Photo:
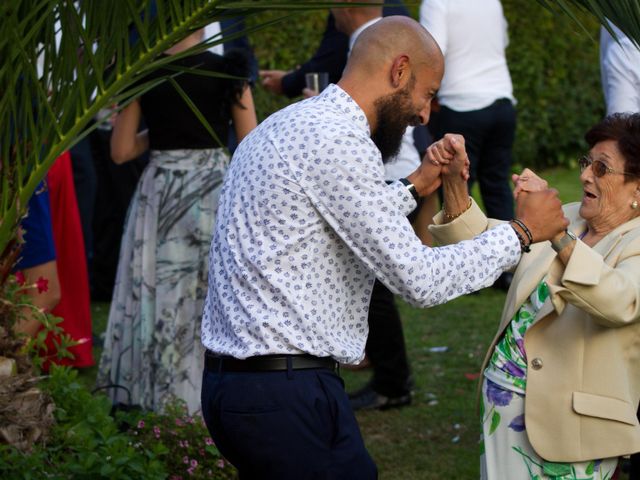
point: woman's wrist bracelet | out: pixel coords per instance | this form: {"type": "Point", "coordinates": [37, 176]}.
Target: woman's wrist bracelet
{"type": "Point", "coordinates": [452, 216]}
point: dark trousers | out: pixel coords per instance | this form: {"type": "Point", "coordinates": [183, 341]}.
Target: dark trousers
{"type": "Point", "coordinates": [385, 345]}
{"type": "Point", "coordinates": [294, 424]}
{"type": "Point", "coordinates": [85, 183]}
{"type": "Point", "coordinates": [115, 187]}
{"type": "Point", "coordinates": [489, 134]}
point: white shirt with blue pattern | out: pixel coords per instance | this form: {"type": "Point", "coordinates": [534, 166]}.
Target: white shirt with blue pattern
{"type": "Point", "coordinates": [305, 224]}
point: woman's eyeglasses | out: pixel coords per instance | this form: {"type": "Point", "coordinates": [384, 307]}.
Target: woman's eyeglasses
{"type": "Point", "coordinates": [599, 168]}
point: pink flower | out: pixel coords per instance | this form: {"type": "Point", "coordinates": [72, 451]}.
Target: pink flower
{"type": "Point", "coordinates": [42, 284]}
{"type": "Point", "coordinates": [208, 441]}
{"type": "Point", "coordinates": [179, 422]}
{"type": "Point", "coordinates": [194, 462]}
{"type": "Point", "coordinates": [220, 463]}
{"type": "Point", "coordinates": [20, 278]}
{"type": "Point", "coordinates": [156, 431]}
{"type": "Point", "coordinates": [190, 470]}
{"type": "Point", "coordinates": [141, 424]}
{"type": "Point", "coordinates": [185, 459]}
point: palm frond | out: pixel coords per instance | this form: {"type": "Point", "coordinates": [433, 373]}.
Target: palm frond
{"type": "Point", "coordinates": [64, 61]}
{"type": "Point", "coordinates": [625, 14]}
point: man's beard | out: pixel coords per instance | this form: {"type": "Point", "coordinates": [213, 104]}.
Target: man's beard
{"type": "Point", "coordinates": [394, 113]}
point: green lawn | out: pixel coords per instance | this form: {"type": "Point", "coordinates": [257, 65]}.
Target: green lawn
{"type": "Point", "coordinates": [437, 436]}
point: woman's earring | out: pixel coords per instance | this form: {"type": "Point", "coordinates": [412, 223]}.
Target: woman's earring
{"type": "Point", "coordinates": [634, 204]}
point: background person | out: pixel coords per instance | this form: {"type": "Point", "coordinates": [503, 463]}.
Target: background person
{"type": "Point", "coordinates": [305, 225]}
{"type": "Point", "coordinates": [152, 344]}
{"type": "Point", "coordinates": [620, 71]}
{"type": "Point", "coordinates": [567, 344]}
{"type": "Point", "coordinates": [476, 97]}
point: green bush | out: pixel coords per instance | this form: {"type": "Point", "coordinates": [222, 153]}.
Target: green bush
{"type": "Point", "coordinates": [87, 443]}
{"type": "Point", "coordinates": [553, 63]}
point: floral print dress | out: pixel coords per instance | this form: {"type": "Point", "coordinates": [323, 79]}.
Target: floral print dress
{"type": "Point", "coordinates": [507, 453]}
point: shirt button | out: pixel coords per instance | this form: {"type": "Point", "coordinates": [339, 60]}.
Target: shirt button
{"type": "Point", "coordinates": [536, 363]}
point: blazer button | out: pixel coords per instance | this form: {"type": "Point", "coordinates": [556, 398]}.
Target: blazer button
{"type": "Point", "coordinates": [536, 363]}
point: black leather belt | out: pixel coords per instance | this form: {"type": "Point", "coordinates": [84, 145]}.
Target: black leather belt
{"type": "Point", "coordinates": [267, 363]}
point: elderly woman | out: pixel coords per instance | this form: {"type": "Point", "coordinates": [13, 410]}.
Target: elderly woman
{"type": "Point", "coordinates": [561, 380]}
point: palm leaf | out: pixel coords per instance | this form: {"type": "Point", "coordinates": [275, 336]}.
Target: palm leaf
{"type": "Point", "coordinates": [45, 111]}
{"type": "Point", "coordinates": [625, 14]}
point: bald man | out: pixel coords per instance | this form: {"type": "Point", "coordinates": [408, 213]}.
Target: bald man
{"type": "Point", "coordinates": [305, 224]}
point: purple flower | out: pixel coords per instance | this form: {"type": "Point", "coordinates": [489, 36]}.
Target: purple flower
{"type": "Point", "coordinates": [208, 441]}
{"type": "Point", "coordinates": [185, 460]}
{"type": "Point", "coordinates": [514, 369]}
{"type": "Point", "coordinates": [517, 424]}
{"type": "Point", "coordinates": [190, 470]}
{"type": "Point", "coordinates": [141, 424]}
{"type": "Point", "coordinates": [194, 462]}
{"type": "Point", "coordinates": [497, 395]}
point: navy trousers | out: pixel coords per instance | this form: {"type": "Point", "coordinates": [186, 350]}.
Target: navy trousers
{"type": "Point", "coordinates": [294, 424]}
{"type": "Point", "coordinates": [489, 135]}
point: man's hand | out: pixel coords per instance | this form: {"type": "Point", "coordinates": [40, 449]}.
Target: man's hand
{"type": "Point", "coordinates": [527, 181]}
{"type": "Point", "coordinates": [450, 152]}
{"type": "Point", "coordinates": [272, 80]}
{"type": "Point", "coordinates": [541, 212]}
{"type": "Point", "coordinates": [426, 178]}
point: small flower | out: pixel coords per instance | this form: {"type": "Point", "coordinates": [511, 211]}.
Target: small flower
{"type": "Point", "coordinates": [194, 462]}
{"type": "Point", "coordinates": [179, 422]}
{"type": "Point", "coordinates": [185, 460]}
{"type": "Point", "coordinates": [141, 424]}
{"type": "Point", "coordinates": [190, 470]}
{"type": "Point", "coordinates": [156, 430]}
{"type": "Point", "coordinates": [42, 284]}
{"type": "Point", "coordinates": [220, 463]}
{"type": "Point", "coordinates": [20, 278]}
{"type": "Point", "coordinates": [208, 441]}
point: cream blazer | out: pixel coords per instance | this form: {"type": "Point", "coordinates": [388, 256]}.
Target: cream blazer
{"type": "Point", "coordinates": [583, 349]}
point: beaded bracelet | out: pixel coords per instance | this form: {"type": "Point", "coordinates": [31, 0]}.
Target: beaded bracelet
{"type": "Point", "coordinates": [452, 216]}
{"type": "Point", "coordinates": [524, 229]}
{"type": "Point", "coordinates": [524, 247]}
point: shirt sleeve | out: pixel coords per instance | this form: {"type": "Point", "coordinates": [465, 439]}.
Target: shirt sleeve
{"type": "Point", "coordinates": [433, 16]}
{"type": "Point", "coordinates": [364, 212]}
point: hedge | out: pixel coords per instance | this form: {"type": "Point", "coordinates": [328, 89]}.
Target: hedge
{"type": "Point", "coordinates": [553, 63]}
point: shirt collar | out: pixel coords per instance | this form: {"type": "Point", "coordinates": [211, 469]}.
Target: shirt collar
{"type": "Point", "coordinates": [342, 100]}
{"type": "Point", "coordinates": [354, 36]}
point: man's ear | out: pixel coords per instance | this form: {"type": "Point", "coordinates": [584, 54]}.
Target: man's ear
{"type": "Point", "coordinates": [400, 71]}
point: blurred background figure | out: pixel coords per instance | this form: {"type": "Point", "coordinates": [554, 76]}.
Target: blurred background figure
{"type": "Point", "coordinates": [620, 71]}
{"type": "Point", "coordinates": [152, 347]}
{"type": "Point", "coordinates": [476, 96]}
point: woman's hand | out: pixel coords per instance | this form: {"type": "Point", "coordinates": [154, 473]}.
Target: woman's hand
{"type": "Point", "coordinates": [450, 153]}
{"type": "Point", "coordinates": [528, 181]}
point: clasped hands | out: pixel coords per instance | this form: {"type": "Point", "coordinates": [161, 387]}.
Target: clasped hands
{"type": "Point", "coordinates": [446, 163]}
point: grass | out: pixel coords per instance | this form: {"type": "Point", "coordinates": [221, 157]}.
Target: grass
{"type": "Point", "coordinates": [437, 436]}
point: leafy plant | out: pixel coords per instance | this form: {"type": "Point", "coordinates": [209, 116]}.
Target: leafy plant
{"type": "Point", "coordinates": [84, 442]}
{"type": "Point", "coordinates": [181, 441]}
